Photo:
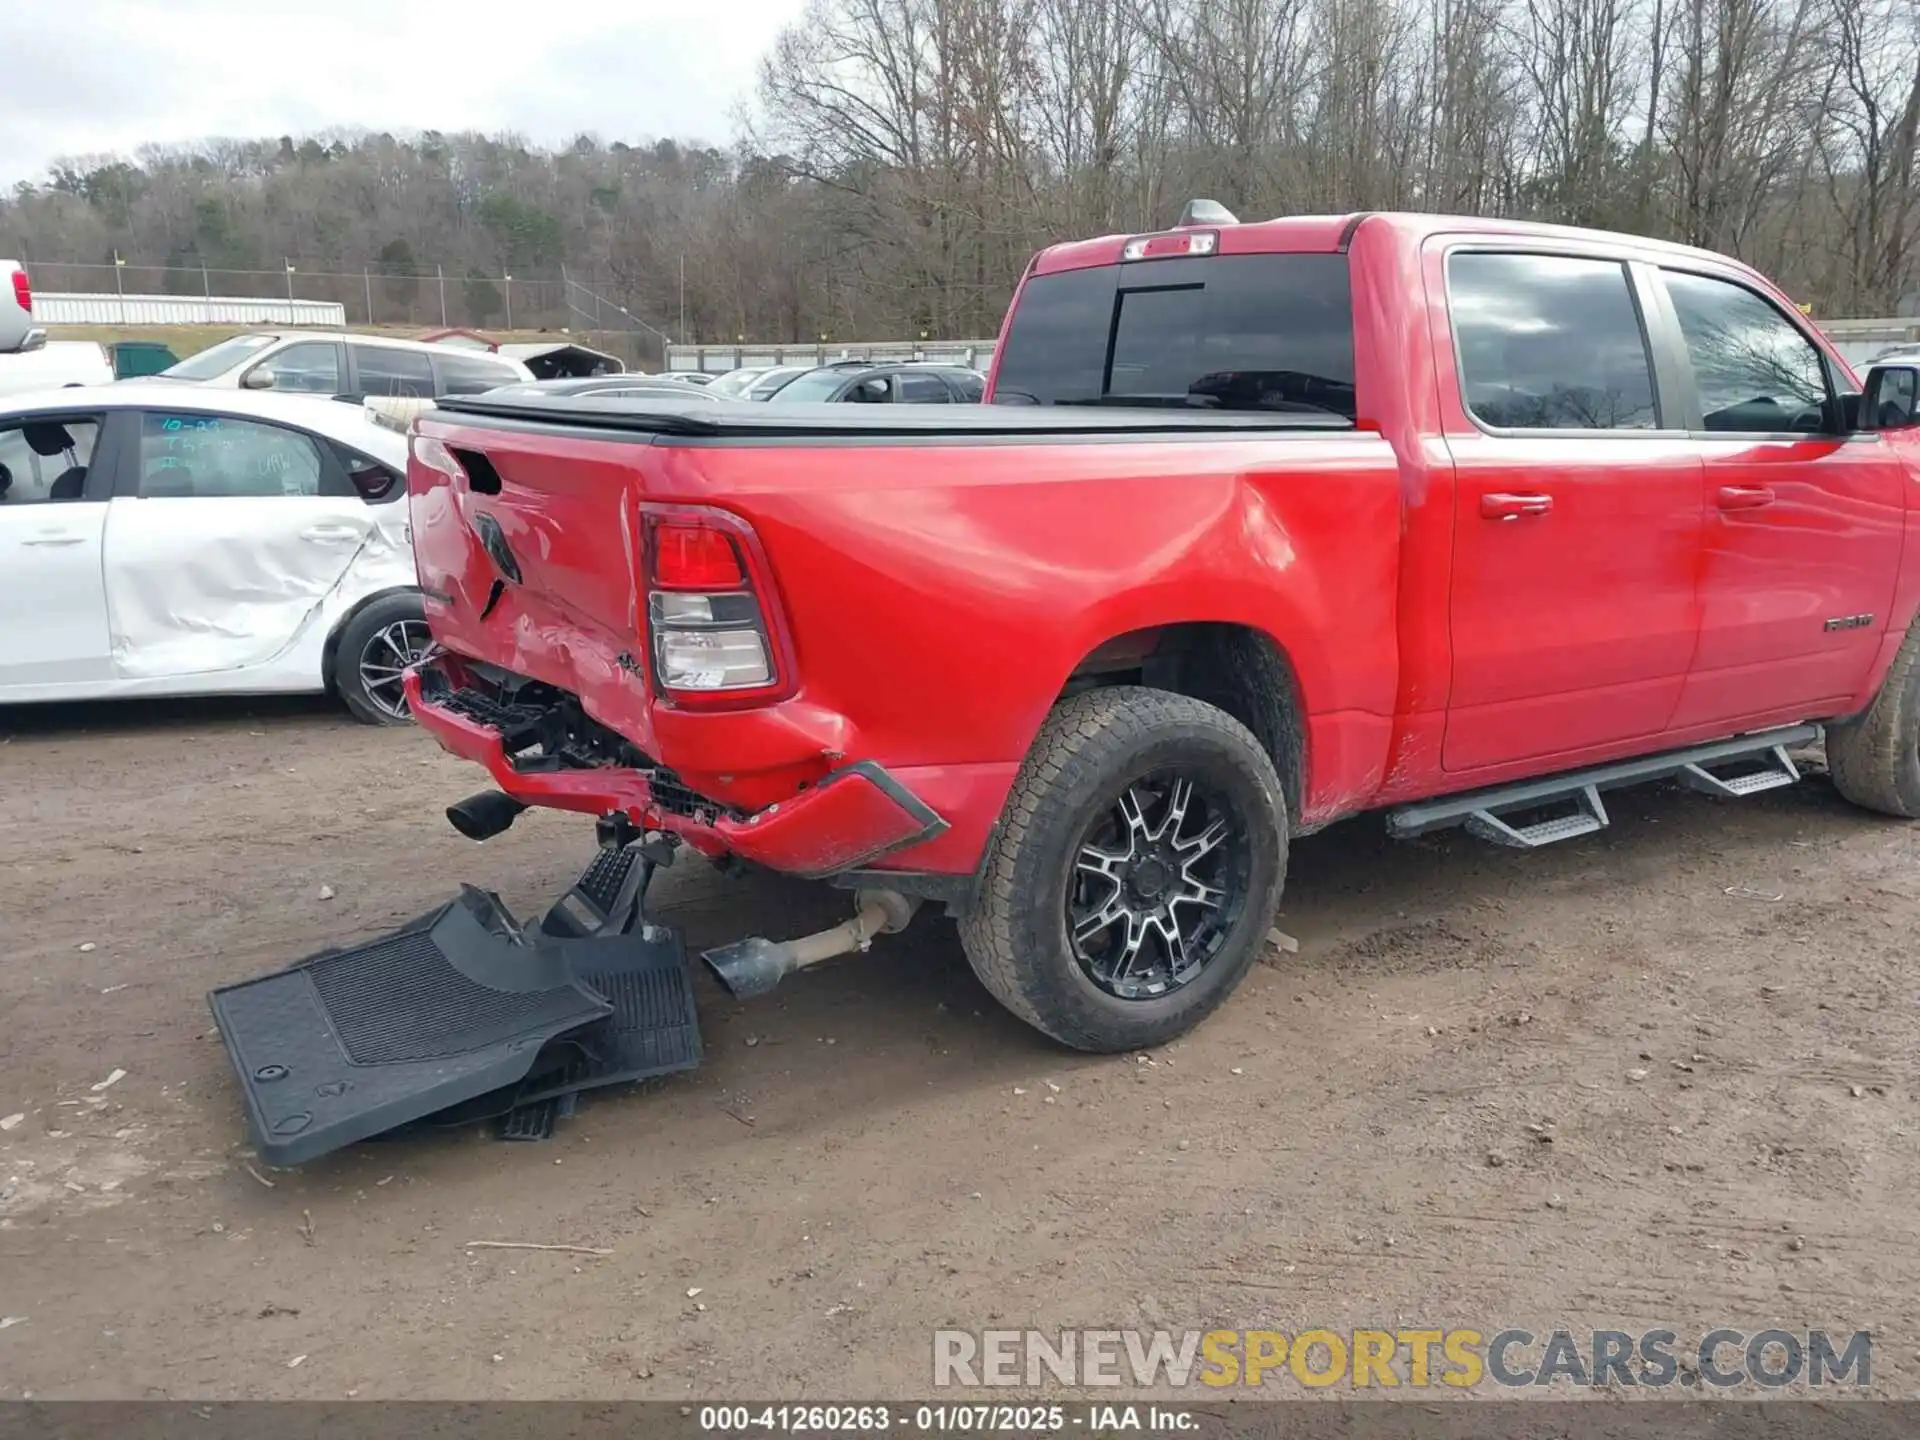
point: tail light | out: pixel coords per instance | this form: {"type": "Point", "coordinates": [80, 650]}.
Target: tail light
{"type": "Point", "coordinates": [709, 606]}
{"type": "Point", "coordinates": [22, 291]}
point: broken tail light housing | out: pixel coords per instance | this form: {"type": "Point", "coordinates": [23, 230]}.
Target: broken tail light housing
{"type": "Point", "coordinates": [694, 557]}
{"type": "Point", "coordinates": [712, 619]}
{"type": "Point", "coordinates": [432, 454]}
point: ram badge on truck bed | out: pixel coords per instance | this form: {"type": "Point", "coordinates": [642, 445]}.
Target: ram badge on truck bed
{"type": "Point", "coordinates": [1268, 525]}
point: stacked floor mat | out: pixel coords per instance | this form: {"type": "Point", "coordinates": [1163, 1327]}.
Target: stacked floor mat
{"type": "Point", "coordinates": [461, 1017]}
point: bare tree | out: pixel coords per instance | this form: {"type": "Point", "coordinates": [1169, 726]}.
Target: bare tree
{"type": "Point", "coordinates": [1742, 111]}
{"type": "Point", "coordinates": [1869, 158]}
{"type": "Point", "coordinates": [1579, 58]}
{"type": "Point", "coordinates": [905, 157]}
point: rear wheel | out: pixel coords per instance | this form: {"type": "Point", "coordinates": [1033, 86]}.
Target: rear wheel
{"type": "Point", "coordinates": [1875, 759]}
{"type": "Point", "coordinates": [1135, 873]}
{"type": "Point", "coordinates": [375, 649]}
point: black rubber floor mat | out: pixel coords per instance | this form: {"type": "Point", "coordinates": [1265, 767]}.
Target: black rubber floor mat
{"type": "Point", "coordinates": [653, 1030]}
{"type": "Point", "coordinates": [350, 1043]}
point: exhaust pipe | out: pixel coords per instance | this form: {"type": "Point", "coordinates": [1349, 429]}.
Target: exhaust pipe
{"type": "Point", "coordinates": [483, 816]}
{"type": "Point", "coordinates": [754, 966]}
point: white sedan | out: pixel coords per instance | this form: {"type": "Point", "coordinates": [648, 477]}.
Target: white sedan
{"type": "Point", "coordinates": [157, 540]}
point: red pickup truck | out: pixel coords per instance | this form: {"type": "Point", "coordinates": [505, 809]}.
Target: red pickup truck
{"type": "Point", "coordinates": [1267, 525]}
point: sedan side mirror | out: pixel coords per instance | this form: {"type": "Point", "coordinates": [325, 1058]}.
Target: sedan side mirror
{"type": "Point", "coordinates": [1892, 398]}
{"type": "Point", "coordinates": [261, 377]}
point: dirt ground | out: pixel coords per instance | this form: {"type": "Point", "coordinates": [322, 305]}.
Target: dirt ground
{"type": "Point", "coordinates": [1614, 1084]}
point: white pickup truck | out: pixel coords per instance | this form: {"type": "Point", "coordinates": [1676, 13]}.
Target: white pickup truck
{"type": "Point", "coordinates": [17, 330]}
{"type": "Point", "coordinates": [28, 360]}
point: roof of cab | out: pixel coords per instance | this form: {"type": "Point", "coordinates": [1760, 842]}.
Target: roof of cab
{"type": "Point", "coordinates": [1330, 234]}
{"type": "Point", "coordinates": [1296, 234]}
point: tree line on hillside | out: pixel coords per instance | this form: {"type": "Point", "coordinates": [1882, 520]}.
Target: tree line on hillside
{"type": "Point", "coordinates": [907, 156]}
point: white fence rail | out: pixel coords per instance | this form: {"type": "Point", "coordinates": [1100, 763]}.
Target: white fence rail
{"type": "Point", "coordinates": [1858, 341]}
{"type": "Point", "coordinates": [720, 358]}
{"type": "Point", "coordinates": [56, 308]}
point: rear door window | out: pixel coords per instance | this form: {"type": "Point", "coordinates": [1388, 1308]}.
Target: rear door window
{"type": "Point", "coordinates": [1550, 342]}
{"type": "Point", "coordinates": [874, 390]}
{"type": "Point", "coordinates": [918, 389]}
{"type": "Point", "coordinates": [207, 456]}
{"type": "Point", "coordinates": [1228, 332]}
{"type": "Point", "coordinates": [386, 371]}
{"type": "Point", "coordinates": [45, 460]}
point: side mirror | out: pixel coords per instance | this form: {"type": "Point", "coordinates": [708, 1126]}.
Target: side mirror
{"type": "Point", "coordinates": [1892, 398]}
{"type": "Point", "coordinates": [261, 377]}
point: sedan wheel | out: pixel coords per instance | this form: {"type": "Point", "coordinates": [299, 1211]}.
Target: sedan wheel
{"type": "Point", "coordinates": [385, 660]}
{"type": "Point", "coordinates": [373, 653]}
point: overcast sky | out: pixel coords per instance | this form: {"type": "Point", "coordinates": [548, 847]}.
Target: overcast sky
{"type": "Point", "coordinates": [91, 76]}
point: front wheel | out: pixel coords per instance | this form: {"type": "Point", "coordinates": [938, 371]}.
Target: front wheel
{"type": "Point", "coordinates": [375, 649]}
{"type": "Point", "coordinates": [1135, 872]}
{"type": "Point", "coordinates": [1875, 758]}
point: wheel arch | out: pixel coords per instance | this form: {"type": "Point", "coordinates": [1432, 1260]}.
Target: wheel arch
{"type": "Point", "coordinates": [1236, 667]}
{"type": "Point", "coordinates": [330, 653]}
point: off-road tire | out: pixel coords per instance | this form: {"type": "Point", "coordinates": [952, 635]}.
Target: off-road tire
{"type": "Point", "coordinates": [402, 606]}
{"type": "Point", "coordinates": [1091, 748]}
{"type": "Point", "coordinates": [1875, 759]}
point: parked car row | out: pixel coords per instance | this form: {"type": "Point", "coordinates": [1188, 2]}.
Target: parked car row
{"type": "Point", "coordinates": [615, 387]}
{"type": "Point", "coordinates": [846, 382]}
{"type": "Point", "coordinates": [843, 382]}
{"type": "Point", "coordinates": [856, 382]}
{"type": "Point", "coordinates": [221, 526]}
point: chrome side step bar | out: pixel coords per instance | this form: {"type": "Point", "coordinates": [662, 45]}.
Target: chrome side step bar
{"type": "Point", "coordinates": [1485, 813]}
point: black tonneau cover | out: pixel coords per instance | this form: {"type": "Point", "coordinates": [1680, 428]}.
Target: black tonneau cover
{"type": "Point", "coordinates": [744, 419]}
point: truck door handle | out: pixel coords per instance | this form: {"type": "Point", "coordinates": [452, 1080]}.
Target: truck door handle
{"type": "Point", "coordinates": [1744, 497]}
{"type": "Point", "coordinates": [55, 537]}
{"type": "Point", "coordinates": [1501, 506]}
{"type": "Point", "coordinates": [330, 532]}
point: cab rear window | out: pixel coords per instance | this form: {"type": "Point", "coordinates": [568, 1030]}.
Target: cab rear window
{"type": "Point", "coordinates": [1227, 332]}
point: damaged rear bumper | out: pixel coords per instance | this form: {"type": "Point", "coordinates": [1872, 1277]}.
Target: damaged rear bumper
{"type": "Point", "coordinates": [849, 818]}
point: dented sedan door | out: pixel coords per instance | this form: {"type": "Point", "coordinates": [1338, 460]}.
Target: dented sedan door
{"type": "Point", "coordinates": [224, 539]}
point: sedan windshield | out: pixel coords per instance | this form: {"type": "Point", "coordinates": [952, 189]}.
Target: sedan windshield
{"type": "Point", "coordinates": [774, 381]}
{"type": "Point", "coordinates": [735, 382]}
{"type": "Point", "coordinates": [218, 359]}
{"type": "Point", "coordinates": [814, 385]}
